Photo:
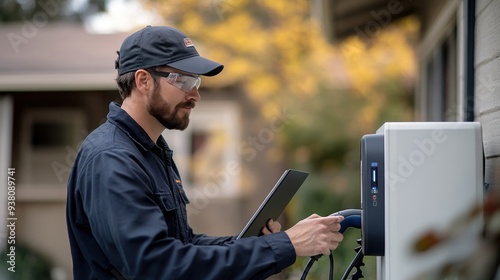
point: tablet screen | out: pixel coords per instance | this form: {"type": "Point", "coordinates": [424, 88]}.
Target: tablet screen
{"type": "Point", "coordinates": [275, 202]}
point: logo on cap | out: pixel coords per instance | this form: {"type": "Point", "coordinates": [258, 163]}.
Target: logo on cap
{"type": "Point", "coordinates": [188, 42]}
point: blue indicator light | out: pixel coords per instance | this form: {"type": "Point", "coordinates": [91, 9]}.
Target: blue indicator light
{"type": "Point", "coordinates": [373, 173]}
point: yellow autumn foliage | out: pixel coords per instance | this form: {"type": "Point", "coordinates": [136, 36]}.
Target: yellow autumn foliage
{"type": "Point", "coordinates": [275, 50]}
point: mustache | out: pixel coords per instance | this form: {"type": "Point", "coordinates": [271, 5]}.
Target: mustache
{"type": "Point", "coordinates": [188, 104]}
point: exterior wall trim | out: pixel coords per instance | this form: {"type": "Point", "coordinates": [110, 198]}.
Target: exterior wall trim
{"type": "Point", "coordinates": [57, 81]}
{"type": "Point", "coordinates": [438, 29]}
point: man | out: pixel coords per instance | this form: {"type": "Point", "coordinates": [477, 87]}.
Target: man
{"type": "Point", "coordinates": [126, 209]}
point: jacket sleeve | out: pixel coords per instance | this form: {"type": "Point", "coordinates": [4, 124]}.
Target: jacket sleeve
{"type": "Point", "coordinates": [130, 228]}
{"type": "Point", "coordinates": [202, 239]}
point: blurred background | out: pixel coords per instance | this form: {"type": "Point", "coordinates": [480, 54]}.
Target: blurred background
{"type": "Point", "coordinates": [303, 82]}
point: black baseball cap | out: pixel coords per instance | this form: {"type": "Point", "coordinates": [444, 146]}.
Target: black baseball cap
{"type": "Point", "coordinates": [163, 46]}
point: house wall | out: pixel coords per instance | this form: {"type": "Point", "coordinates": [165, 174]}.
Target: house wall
{"type": "Point", "coordinates": [487, 71]}
{"type": "Point", "coordinates": [439, 92]}
{"type": "Point", "coordinates": [41, 196]}
{"type": "Point", "coordinates": [487, 83]}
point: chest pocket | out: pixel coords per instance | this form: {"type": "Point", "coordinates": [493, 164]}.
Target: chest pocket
{"type": "Point", "coordinates": [182, 193]}
{"type": "Point", "coordinates": [167, 204]}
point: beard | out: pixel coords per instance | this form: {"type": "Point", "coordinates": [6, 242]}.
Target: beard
{"type": "Point", "coordinates": [163, 112]}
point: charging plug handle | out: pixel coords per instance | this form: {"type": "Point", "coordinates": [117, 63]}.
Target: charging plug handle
{"type": "Point", "coordinates": [352, 218]}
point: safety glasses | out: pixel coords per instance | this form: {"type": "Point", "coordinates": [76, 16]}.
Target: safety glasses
{"type": "Point", "coordinates": [183, 82]}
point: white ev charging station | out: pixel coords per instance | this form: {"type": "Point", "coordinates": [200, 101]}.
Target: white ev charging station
{"type": "Point", "coordinates": [422, 192]}
{"type": "Point", "coordinates": [421, 200]}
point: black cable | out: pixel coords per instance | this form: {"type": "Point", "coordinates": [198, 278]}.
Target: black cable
{"type": "Point", "coordinates": [306, 269]}
{"type": "Point", "coordinates": [309, 265]}
{"type": "Point", "coordinates": [356, 259]}
{"type": "Point", "coordinates": [311, 262]}
{"type": "Point", "coordinates": [331, 265]}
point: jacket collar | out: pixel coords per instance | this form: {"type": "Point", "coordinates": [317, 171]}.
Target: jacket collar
{"type": "Point", "coordinates": [129, 126]}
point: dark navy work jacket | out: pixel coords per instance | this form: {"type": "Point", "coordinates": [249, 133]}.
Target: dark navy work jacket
{"type": "Point", "coordinates": [126, 216]}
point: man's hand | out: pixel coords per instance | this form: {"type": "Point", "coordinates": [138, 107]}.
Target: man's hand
{"type": "Point", "coordinates": [271, 227]}
{"type": "Point", "coordinates": [316, 235]}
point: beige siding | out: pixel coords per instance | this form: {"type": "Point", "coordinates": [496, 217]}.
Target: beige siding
{"type": "Point", "coordinates": [487, 83]}
{"type": "Point", "coordinates": [487, 87]}
{"type": "Point", "coordinates": [491, 133]}
{"type": "Point", "coordinates": [487, 33]}
{"type": "Point", "coordinates": [493, 170]}
{"type": "Point", "coordinates": [481, 5]}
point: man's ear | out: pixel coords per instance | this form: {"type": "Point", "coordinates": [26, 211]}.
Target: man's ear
{"type": "Point", "coordinates": [143, 81]}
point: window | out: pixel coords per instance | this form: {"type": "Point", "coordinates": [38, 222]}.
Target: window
{"type": "Point", "coordinates": [49, 139]}
{"type": "Point", "coordinates": [440, 82]}
{"type": "Point", "coordinates": [440, 95]}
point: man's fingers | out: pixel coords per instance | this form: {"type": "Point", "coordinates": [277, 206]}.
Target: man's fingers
{"type": "Point", "coordinates": [314, 216]}
{"type": "Point", "coordinates": [316, 235]}
{"type": "Point", "coordinates": [334, 219]}
{"type": "Point", "coordinates": [266, 231]}
{"type": "Point", "coordinates": [335, 227]}
{"type": "Point", "coordinates": [334, 246]}
{"type": "Point", "coordinates": [337, 237]}
{"type": "Point", "coordinates": [331, 223]}
{"type": "Point", "coordinates": [273, 226]}
{"type": "Point", "coordinates": [334, 240]}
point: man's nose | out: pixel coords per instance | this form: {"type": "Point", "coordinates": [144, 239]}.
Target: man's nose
{"type": "Point", "coordinates": [194, 94]}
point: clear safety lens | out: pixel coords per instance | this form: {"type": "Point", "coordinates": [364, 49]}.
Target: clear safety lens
{"type": "Point", "coordinates": [184, 82]}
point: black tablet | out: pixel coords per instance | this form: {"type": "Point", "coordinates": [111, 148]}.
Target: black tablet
{"type": "Point", "coordinates": [275, 202]}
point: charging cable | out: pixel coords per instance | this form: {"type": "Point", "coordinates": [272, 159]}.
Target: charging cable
{"type": "Point", "coordinates": [352, 218]}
